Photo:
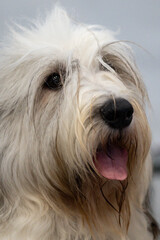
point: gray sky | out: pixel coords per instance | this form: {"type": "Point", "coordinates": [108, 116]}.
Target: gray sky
{"type": "Point", "coordinates": [137, 20]}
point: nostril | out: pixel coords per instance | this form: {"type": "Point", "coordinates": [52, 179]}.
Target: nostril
{"type": "Point", "coordinates": [107, 113]}
{"type": "Point", "coordinates": [118, 113]}
{"type": "Point", "coordinates": [129, 113]}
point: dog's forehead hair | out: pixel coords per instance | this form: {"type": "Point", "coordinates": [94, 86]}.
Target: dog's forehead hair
{"type": "Point", "coordinates": [34, 55]}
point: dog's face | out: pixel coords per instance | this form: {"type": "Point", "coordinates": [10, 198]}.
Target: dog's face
{"type": "Point", "coordinates": [72, 114]}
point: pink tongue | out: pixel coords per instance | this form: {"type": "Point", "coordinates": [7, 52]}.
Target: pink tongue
{"type": "Point", "coordinates": [114, 164]}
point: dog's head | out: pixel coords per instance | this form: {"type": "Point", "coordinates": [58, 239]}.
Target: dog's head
{"type": "Point", "coordinates": [72, 117]}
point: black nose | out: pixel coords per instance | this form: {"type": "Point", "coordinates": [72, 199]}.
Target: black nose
{"type": "Point", "coordinates": [117, 113]}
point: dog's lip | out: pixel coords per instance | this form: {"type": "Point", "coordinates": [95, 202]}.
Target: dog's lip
{"type": "Point", "coordinates": [111, 162]}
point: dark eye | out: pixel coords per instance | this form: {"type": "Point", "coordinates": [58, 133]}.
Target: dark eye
{"type": "Point", "coordinates": [109, 66]}
{"type": "Point", "coordinates": [105, 68]}
{"type": "Point", "coordinates": [53, 81]}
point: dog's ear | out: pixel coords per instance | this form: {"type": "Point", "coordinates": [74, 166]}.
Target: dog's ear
{"type": "Point", "coordinates": [1, 112]}
{"type": "Point", "coordinates": [153, 226]}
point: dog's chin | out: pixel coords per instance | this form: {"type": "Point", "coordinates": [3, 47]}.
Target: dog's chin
{"type": "Point", "coordinates": [111, 161]}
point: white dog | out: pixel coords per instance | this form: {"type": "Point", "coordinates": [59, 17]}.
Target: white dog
{"type": "Point", "coordinates": [74, 137]}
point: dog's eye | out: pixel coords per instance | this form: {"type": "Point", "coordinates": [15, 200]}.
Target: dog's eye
{"type": "Point", "coordinates": [109, 67]}
{"type": "Point", "coordinates": [53, 81]}
{"type": "Point", "coordinates": [106, 65]}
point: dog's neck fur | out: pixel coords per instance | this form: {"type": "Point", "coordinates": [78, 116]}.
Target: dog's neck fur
{"type": "Point", "coordinates": [59, 226]}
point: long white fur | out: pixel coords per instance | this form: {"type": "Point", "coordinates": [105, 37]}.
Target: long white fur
{"type": "Point", "coordinates": [46, 137]}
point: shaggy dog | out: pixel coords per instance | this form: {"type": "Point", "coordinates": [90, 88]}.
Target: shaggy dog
{"type": "Point", "coordinates": [74, 137]}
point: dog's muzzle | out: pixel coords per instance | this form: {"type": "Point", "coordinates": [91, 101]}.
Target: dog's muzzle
{"type": "Point", "coordinates": [117, 113]}
{"type": "Point", "coordinates": [112, 157]}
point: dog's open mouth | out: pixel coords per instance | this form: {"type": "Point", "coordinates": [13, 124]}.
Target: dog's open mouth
{"type": "Point", "coordinates": [111, 163]}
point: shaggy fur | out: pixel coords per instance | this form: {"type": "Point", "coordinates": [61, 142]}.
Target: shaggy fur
{"type": "Point", "coordinates": [50, 188]}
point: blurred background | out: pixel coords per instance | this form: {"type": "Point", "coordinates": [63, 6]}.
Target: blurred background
{"type": "Point", "coordinates": [137, 21]}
